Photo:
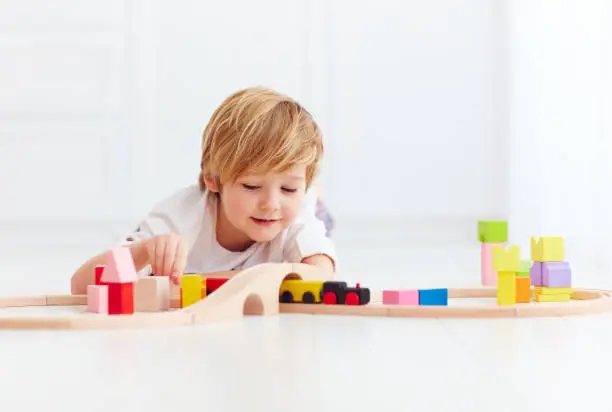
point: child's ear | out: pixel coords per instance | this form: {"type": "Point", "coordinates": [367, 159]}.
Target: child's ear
{"type": "Point", "coordinates": [211, 184]}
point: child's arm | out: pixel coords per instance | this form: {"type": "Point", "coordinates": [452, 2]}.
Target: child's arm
{"type": "Point", "coordinates": [85, 275]}
{"type": "Point", "coordinates": [307, 240]}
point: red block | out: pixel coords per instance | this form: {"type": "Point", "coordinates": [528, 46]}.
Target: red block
{"type": "Point", "coordinates": [213, 284]}
{"type": "Point", "coordinates": [99, 270]}
{"type": "Point", "coordinates": [120, 298]}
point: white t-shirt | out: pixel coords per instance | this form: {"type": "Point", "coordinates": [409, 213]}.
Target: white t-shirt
{"type": "Point", "coordinates": [191, 213]}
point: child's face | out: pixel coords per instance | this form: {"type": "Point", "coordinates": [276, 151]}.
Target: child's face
{"type": "Point", "coordinates": [258, 207]}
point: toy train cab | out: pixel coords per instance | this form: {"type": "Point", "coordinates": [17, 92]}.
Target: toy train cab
{"type": "Point", "coordinates": [326, 292]}
{"type": "Point", "coordinates": [339, 293]}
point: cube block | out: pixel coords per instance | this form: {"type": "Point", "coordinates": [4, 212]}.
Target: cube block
{"type": "Point", "coordinates": [401, 297]}
{"type": "Point", "coordinates": [97, 299]}
{"type": "Point", "coordinates": [556, 274]}
{"type": "Point", "coordinates": [547, 249]}
{"type": "Point", "coordinates": [152, 294]}
{"type": "Point", "coordinates": [120, 298]}
{"type": "Point", "coordinates": [493, 231]}
{"type": "Point", "coordinates": [433, 297]}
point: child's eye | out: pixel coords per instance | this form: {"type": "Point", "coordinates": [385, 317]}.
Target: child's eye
{"type": "Point", "coordinates": [289, 190]}
{"type": "Point", "coordinates": [249, 187]}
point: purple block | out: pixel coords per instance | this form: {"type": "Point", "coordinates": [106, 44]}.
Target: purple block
{"type": "Point", "coordinates": [535, 273]}
{"type": "Point", "coordinates": [556, 275]}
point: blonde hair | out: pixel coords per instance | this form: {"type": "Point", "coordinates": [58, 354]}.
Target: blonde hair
{"type": "Point", "coordinates": [258, 130]}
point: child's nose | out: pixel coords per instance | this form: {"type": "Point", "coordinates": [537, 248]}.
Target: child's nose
{"type": "Point", "coordinates": [270, 202]}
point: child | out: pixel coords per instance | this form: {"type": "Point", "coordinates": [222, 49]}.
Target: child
{"type": "Point", "coordinates": [254, 202]}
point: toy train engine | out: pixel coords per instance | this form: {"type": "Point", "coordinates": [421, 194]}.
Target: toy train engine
{"type": "Point", "coordinates": [326, 292]}
{"type": "Point", "coordinates": [339, 293]}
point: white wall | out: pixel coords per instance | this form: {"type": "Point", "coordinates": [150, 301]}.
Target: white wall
{"type": "Point", "coordinates": [103, 103]}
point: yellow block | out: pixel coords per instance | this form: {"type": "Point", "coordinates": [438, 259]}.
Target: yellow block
{"type": "Point", "coordinates": [553, 298]}
{"type": "Point", "coordinates": [543, 290]}
{"type": "Point", "coordinates": [191, 289]}
{"type": "Point", "coordinates": [506, 288]}
{"type": "Point", "coordinates": [506, 260]}
{"type": "Point", "coordinates": [547, 249]}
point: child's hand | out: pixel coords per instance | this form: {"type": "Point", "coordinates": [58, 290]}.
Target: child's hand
{"type": "Point", "coordinates": [167, 255]}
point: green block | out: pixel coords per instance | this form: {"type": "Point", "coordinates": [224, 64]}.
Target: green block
{"type": "Point", "coordinates": [524, 268]}
{"type": "Point", "coordinates": [492, 231]}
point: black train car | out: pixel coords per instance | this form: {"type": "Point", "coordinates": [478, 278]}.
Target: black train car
{"type": "Point", "coordinates": [339, 293]}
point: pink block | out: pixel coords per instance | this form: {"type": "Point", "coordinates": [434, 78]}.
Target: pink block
{"type": "Point", "coordinates": [401, 297]}
{"type": "Point", "coordinates": [120, 267]}
{"type": "Point", "coordinates": [488, 275]}
{"type": "Point", "coordinates": [97, 299]}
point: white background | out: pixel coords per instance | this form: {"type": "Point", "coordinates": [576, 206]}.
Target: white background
{"type": "Point", "coordinates": [435, 114]}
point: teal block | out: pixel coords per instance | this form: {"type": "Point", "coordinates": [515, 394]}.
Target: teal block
{"type": "Point", "coordinates": [433, 297]}
{"type": "Point", "coordinates": [492, 231]}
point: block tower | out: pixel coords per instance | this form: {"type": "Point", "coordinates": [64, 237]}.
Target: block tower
{"type": "Point", "coordinates": [506, 262]}
{"type": "Point", "coordinates": [491, 233]}
{"type": "Point", "coordinates": [551, 276]}
{"type": "Point", "coordinates": [113, 293]}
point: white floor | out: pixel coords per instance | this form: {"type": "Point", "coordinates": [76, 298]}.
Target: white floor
{"type": "Point", "coordinates": [306, 363]}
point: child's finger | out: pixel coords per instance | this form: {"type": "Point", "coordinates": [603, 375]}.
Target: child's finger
{"type": "Point", "coordinates": [180, 259]}
{"type": "Point", "coordinates": [169, 256]}
{"type": "Point", "coordinates": [160, 247]}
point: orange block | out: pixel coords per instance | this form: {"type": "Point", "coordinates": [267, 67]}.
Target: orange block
{"type": "Point", "coordinates": [523, 289]}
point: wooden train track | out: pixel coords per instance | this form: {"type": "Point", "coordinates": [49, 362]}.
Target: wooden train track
{"type": "Point", "coordinates": [584, 302]}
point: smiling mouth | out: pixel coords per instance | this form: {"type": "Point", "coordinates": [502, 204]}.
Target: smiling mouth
{"type": "Point", "coordinates": [265, 221]}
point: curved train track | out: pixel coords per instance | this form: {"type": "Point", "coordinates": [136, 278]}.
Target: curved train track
{"type": "Point", "coordinates": [255, 291]}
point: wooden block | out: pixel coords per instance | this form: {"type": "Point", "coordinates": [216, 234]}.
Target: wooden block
{"type": "Point", "coordinates": [433, 297]}
{"type": "Point", "coordinates": [97, 299]}
{"type": "Point", "coordinates": [556, 274]}
{"type": "Point", "coordinates": [152, 294]}
{"type": "Point", "coordinates": [547, 249]}
{"type": "Point", "coordinates": [506, 260]}
{"type": "Point", "coordinates": [120, 298]}
{"type": "Point", "coordinates": [400, 297]}
{"type": "Point", "coordinates": [99, 270]}
{"type": "Point", "coordinates": [524, 268]}
{"type": "Point", "coordinates": [523, 289]}
{"type": "Point", "coordinates": [119, 267]}
{"type": "Point", "coordinates": [488, 275]}
{"type": "Point", "coordinates": [492, 231]}
{"type": "Point", "coordinates": [535, 273]}
{"type": "Point", "coordinates": [506, 288]}
{"type": "Point", "coordinates": [543, 290]}
{"type": "Point", "coordinates": [191, 289]}
{"type": "Point", "coordinates": [553, 298]}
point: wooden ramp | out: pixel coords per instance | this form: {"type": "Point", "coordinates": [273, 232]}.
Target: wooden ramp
{"type": "Point", "coordinates": [252, 291]}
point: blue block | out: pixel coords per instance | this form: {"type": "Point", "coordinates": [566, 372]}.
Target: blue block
{"type": "Point", "coordinates": [433, 297]}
